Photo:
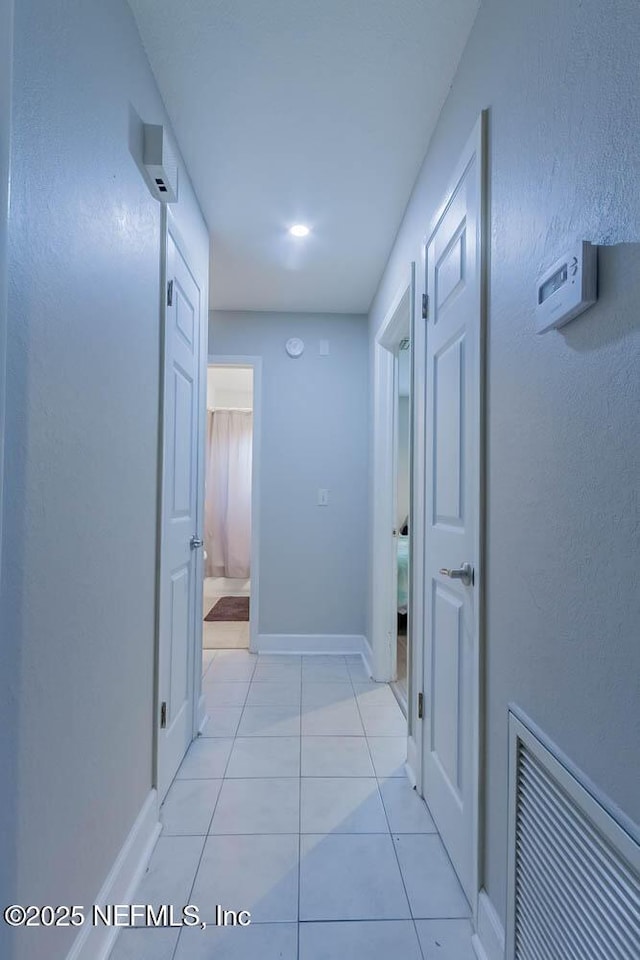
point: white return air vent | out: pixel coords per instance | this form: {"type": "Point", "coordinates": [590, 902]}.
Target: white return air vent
{"type": "Point", "coordinates": [160, 163]}
{"type": "Point", "coordinates": [574, 871]}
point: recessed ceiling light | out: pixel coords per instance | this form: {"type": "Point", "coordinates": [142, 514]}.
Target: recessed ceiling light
{"type": "Point", "coordinates": [299, 230]}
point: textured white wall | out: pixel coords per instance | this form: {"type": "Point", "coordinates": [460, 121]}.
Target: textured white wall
{"type": "Point", "coordinates": [82, 434]}
{"type": "Point", "coordinates": [6, 69]}
{"type": "Point", "coordinates": [561, 80]}
{"type": "Point", "coordinates": [314, 434]}
{"type": "Point", "coordinates": [8, 645]}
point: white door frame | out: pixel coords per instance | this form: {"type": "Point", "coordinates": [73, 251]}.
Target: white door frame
{"type": "Point", "coordinates": [168, 226]}
{"type": "Point", "coordinates": [255, 363]}
{"type": "Point", "coordinates": [416, 551]}
{"type": "Point", "coordinates": [384, 562]}
{"type": "Point", "coordinates": [475, 146]}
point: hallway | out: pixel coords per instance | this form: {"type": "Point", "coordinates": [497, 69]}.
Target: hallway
{"type": "Point", "coordinates": [294, 805]}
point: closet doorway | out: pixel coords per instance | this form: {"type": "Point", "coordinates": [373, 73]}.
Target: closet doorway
{"type": "Point", "coordinates": [402, 477]}
{"type": "Point", "coordinates": [230, 507]}
{"type": "Point", "coordinates": [392, 613]}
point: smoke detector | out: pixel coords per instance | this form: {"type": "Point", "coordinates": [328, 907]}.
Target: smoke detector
{"type": "Point", "coordinates": [160, 163]}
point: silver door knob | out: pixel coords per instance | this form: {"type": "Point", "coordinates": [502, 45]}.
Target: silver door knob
{"type": "Point", "coordinates": [196, 543]}
{"type": "Point", "coordinates": [463, 573]}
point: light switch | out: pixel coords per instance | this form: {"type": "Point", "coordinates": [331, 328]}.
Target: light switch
{"type": "Point", "coordinates": [323, 497]}
{"type": "Point", "coordinates": [324, 348]}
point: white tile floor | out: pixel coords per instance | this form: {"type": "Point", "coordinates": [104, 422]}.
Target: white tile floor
{"type": "Point", "coordinates": [295, 805]}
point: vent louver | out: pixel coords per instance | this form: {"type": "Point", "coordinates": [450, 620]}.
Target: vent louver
{"type": "Point", "coordinates": [574, 872]}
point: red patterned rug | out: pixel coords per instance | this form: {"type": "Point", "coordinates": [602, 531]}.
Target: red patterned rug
{"type": "Point", "coordinates": [229, 608]}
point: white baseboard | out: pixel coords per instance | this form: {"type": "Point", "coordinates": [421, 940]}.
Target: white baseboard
{"type": "Point", "coordinates": [202, 714]}
{"type": "Point", "coordinates": [367, 656]}
{"type": "Point", "coordinates": [310, 643]}
{"type": "Point", "coordinates": [488, 940]}
{"type": "Point", "coordinates": [95, 943]}
{"type": "Point", "coordinates": [412, 761]}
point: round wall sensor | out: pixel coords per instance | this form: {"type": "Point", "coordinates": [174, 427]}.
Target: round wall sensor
{"type": "Point", "coordinates": [294, 347]}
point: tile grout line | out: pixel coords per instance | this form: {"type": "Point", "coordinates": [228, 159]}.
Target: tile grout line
{"type": "Point", "coordinates": [395, 852]}
{"type": "Point", "coordinates": [350, 682]}
{"type": "Point", "coordinates": [179, 937]}
{"type": "Point", "coordinates": [215, 807]}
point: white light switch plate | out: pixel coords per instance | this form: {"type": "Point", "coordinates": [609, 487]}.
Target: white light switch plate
{"type": "Point", "coordinates": [323, 497]}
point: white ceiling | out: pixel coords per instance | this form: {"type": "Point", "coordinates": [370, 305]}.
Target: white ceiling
{"type": "Point", "coordinates": [314, 111]}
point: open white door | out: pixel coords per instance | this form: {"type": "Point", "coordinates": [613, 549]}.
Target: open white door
{"type": "Point", "coordinates": [395, 327]}
{"type": "Point", "coordinates": [452, 517]}
{"type": "Point", "coordinates": [181, 537]}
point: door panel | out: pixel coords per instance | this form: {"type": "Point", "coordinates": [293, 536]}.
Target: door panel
{"type": "Point", "coordinates": [449, 271]}
{"type": "Point", "coordinates": [448, 373]}
{"type": "Point", "coordinates": [451, 526]}
{"type": "Point", "coordinates": [180, 515]}
{"type": "Point", "coordinates": [182, 474]}
{"type": "Point", "coordinates": [447, 653]}
{"type": "Point", "coordinates": [185, 316]}
{"type": "Point", "coordinates": [178, 677]}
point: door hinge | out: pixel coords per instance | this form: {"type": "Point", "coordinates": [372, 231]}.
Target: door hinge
{"type": "Point", "coordinates": [420, 706]}
{"type": "Point", "coordinates": [163, 715]}
{"type": "Point", "coordinates": [425, 306]}
{"type": "Point", "coordinates": [170, 293]}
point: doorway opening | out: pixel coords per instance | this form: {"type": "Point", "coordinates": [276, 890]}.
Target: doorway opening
{"type": "Point", "coordinates": [229, 453]}
{"type": "Point", "coordinates": [402, 471]}
{"type": "Point", "coordinates": [392, 526]}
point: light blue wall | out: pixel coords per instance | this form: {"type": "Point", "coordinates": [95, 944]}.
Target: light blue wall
{"type": "Point", "coordinates": [8, 646]}
{"type": "Point", "coordinates": [313, 560]}
{"type": "Point", "coordinates": [78, 586]}
{"type": "Point", "coordinates": [561, 81]}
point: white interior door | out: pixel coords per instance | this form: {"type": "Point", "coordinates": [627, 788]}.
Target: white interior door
{"type": "Point", "coordinates": [181, 516]}
{"type": "Point", "coordinates": [453, 353]}
{"type": "Point", "coordinates": [393, 613]}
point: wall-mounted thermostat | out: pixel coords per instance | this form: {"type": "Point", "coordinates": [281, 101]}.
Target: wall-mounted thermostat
{"type": "Point", "coordinates": [567, 288]}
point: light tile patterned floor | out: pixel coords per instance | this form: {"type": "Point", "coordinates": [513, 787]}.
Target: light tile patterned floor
{"type": "Point", "coordinates": [294, 805]}
{"type": "Point", "coordinates": [224, 634]}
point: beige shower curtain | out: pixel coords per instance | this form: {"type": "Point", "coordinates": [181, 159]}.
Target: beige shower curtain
{"type": "Point", "coordinates": [227, 515]}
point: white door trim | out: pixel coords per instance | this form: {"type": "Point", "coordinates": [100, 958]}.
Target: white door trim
{"type": "Point", "coordinates": [256, 365]}
{"type": "Point", "coordinates": [476, 146]}
{"type": "Point", "coordinates": [384, 566]}
{"type": "Point", "coordinates": [416, 513]}
{"type": "Point", "coordinates": [168, 226]}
